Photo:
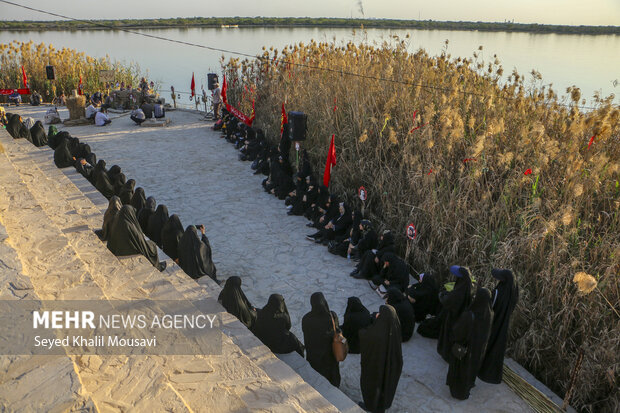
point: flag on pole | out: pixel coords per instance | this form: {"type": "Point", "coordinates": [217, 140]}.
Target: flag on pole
{"type": "Point", "coordinates": [24, 78]}
{"type": "Point", "coordinates": [223, 92]}
{"type": "Point", "coordinates": [283, 120]}
{"type": "Point", "coordinates": [193, 86]}
{"type": "Point", "coordinates": [331, 161]}
{"type": "Point", "coordinates": [80, 86]}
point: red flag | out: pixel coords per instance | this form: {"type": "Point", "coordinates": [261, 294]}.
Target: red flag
{"type": "Point", "coordinates": [80, 86]}
{"type": "Point", "coordinates": [283, 120]}
{"type": "Point", "coordinates": [223, 92]}
{"type": "Point", "coordinates": [24, 78]}
{"type": "Point", "coordinates": [591, 141]}
{"type": "Point", "coordinates": [331, 161]}
{"type": "Point", "coordinates": [193, 86]}
{"type": "Point", "coordinates": [528, 171]}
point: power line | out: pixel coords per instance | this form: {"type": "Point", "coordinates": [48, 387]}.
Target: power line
{"type": "Point", "coordinates": [264, 59]}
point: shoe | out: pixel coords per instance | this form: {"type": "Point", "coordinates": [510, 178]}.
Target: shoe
{"type": "Point", "coordinates": [372, 285]}
{"type": "Point", "coordinates": [161, 266]}
{"type": "Point", "coordinates": [358, 276]}
{"type": "Point", "coordinates": [310, 237]}
{"type": "Point", "coordinates": [354, 273]}
{"type": "Point", "coordinates": [318, 240]}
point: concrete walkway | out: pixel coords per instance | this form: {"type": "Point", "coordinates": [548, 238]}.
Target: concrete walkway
{"type": "Point", "coordinates": [197, 175]}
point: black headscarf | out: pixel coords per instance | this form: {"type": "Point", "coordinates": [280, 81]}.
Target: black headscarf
{"type": "Point", "coordinates": [318, 328]}
{"type": "Point", "coordinates": [103, 185]}
{"type": "Point", "coordinates": [156, 223]}
{"type": "Point", "coordinates": [505, 298]}
{"type": "Point", "coordinates": [356, 317]}
{"type": "Point", "coordinates": [127, 192]}
{"type": "Point", "coordinates": [171, 233]}
{"type": "Point", "coordinates": [396, 299]}
{"type": "Point", "coordinates": [16, 128]}
{"type": "Point", "coordinates": [236, 303]}
{"type": "Point", "coordinates": [114, 206]}
{"type": "Point", "coordinates": [98, 169]}
{"type": "Point", "coordinates": [138, 200]}
{"type": "Point", "coordinates": [272, 326]}
{"type": "Point", "coordinates": [381, 359]}
{"type": "Point", "coordinates": [62, 155]}
{"type": "Point", "coordinates": [37, 133]}
{"type": "Point", "coordinates": [113, 172]}
{"type": "Point", "coordinates": [386, 244]}
{"type": "Point", "coordinates": [145, 213]}
{"type": "Point", "coordinates": [425, 293]}
{"type": "Point", "coordinates": [119, 182]}
{"type": "Point", "coordinates": [54, 140]}
{"type": "Point", "coordinates": [481, 308]}
{"type": "Point", "coordinates": [453, 303]}
{"type": "Point", "coordinates": [397, 273]}
{"type": "Point", "coordinates": [126, 238]}
{"type": "Point", "coordinates": [195, 254]}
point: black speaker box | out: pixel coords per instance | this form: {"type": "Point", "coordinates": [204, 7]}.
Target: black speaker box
{"type": "Point", "coordinates": [298, 125]}
{"type": "Point", "coordinates": [211, 80]}
{"type": "Point", "coordinates": [49, 70]}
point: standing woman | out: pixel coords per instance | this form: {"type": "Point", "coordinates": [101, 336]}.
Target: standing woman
{"type": "Point", "coordinates": [453, 304]}
{"type": "Point", "coordinates": [505, 298]}
{"type": "Point", "coordinates": [381, 360]}
{"type": "Point", "coordinates": [356, 317]}
{"type": "Point", "coordinates": [319, 327]}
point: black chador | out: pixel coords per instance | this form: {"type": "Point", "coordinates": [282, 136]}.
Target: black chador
{"type": "Point", "coordinates": [138, 200]}
{"type": "Point", "coordinates": [318, 327]}
{"type": "Point", "coordinates": [273, 325]}
{"type": "Point", "coordinates": [453, 303]}
{"type": "Point", "coordinates": [126, 237]}
{"type": "Point", "coordinates": [356, 317]}
{"type": "Point", "coordinates": [371, 261]}
{"type": "Point", "coordinates": [16, 128]}
{"type": "Point", "coordinates": [381, 360]}
{"type": "Point", "coordinates": [394, 273]}
{"type": "Point", "coordinates": [98, 169]}
{"type": "Point", "coordinates": [505, 298]}
{"type": "Point", "coordinates": [195, 254]}
{"type": "Point", "coordinates": [156, 223]}
{"type": "Point", "coordinates": [126, 192]}
{"type": "Point", "coordinates": [62, 155]}
{"type": "Point", "coordinates": [424, 296]}
{"type": "Point", "coordinates": [114, 206]}
{"type": "Point", "coordinates": [171, 234]}
{"type": "Point", "coordinates": [103, 184]}
{"type": "Point", "coordinates": [145, 213]}
{"type": "Point", "coordinates": [396, 299]}
{"type": "Point", "coordinates": [37, 133]}
{"type": "Point", "coordinates": [236, 303]}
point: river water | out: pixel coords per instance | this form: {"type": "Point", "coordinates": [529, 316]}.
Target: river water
{"type": "Point", "coordinates": [589, 62]}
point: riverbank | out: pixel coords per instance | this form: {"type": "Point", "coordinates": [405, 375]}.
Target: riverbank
{"type": "Point", "coordinates": [288, 22]}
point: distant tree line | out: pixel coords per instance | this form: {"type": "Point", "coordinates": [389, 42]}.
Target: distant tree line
{"type": "Point", "coordinates": [305, 22]}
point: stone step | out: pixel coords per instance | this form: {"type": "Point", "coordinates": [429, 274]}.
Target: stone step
{"type": "Point", "coordinates": [76, 220]}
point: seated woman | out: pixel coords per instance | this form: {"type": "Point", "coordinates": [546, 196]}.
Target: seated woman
{"type": "Point", "coordinates": [84, 168]}
{"type": "Point", "coordinates": [126, 238]}
{"type": "Point", "coordinates": [126, 192]}
{"type": "Point", "coordinates": [119, 182]}
{"type": "Point", "coordinates": [273, 325]}
{"type": "Point", "coordinates": [138, 200]}
{"type": "Point", "coordinates": [367, 240]}
{"type": "Point", "coordinates": [356, 317]}
{"type": "Point", "coordinates": [37, 134]}
{"type": "Point", "coordinates": [302, 200]}
{"type": "Point", "coordinates": [424, 297]}
{"type": "Point", "coordinates": [113, 172]}
{"type": "Point", "coordinates": [236, 303]}
{"type": "Point", "coordinates": [156, 224]}
{"type": "Point", "coordinates": [171, 234]}
{"type": "Point", "coordinates": [319, 327]}
{"type": "Point", "coordinates": [195, 254]}
{"type": "Point", "coordinates": [326, 212]}
{"type": "Point", "coordinates": [36, 99]}
{"type": "Point", "coordinates": [62, 155]}
{"type": "Point", "coordinates": [369, 267]}
{"type": "Point", "coordinates": [397, 299]}
{"type": "Point", "coordinates": [98, 169]}
{"type": "Point", "coordinates": [297, 194]}
{"type": "Point", "coordinates": [16, 128]}
{"type": "Point", "coordinates": [114, 206]}
{"type": "Point", "coordinates": [395, 273]}
{"type": "Point", "coordinates": [336, 227]}
{"type": "Point", "coordinates": [145, 213]}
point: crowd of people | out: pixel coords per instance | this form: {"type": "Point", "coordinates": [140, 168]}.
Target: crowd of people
{"type": "Point", "coordinates": [133, 224]}
{"type": "Point", "coordinates": [472, 333]}
{"type": "Point", "coordinates": [471, 329]}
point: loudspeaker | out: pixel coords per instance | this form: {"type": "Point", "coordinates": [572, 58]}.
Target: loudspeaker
{"type": "Point", "coordinates": [297, 126]}
{"type": "Point", "coordinates": [50, 72]}
{"type": "Point", "coordinates": [211, 80]}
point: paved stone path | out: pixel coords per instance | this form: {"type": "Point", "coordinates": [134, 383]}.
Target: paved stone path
{"type": "Point", "coordinates": [197, 175]}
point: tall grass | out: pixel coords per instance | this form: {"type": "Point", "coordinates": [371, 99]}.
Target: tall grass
{"type": "Point", "coordinates": [69, 64]}
{"type": "Point", "coordinates": [487, 212]}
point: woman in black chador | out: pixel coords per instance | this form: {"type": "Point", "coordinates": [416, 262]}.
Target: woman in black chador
{"type": "Point", "coordinates": [126, 238]}
{"type": "Point", "coordinates": [103, 184]}
{"type": "Point", "coordinates": [16, 128]}
{"type": "Point", "coordinates": [127, 192]}
{"type": "Point", "coordinates": [98, 169]}
{"type": "Point", "coordinates": [272, 327]}
{"type": "Point", "coordinates": [37, 133]}
{"type": "Point", "coordinates": [467, 343]}
{"type": "Point", "coordinates": [356, 317]}
{"type": "Point", "coordinates": [371, 262]}
{"type": "Point", "coordinates": [318, 327]}
{"type": "Point", "coordinates": [424, 296]}
{"type": "Point", "coordinates": [453, 304]}
{"type": "Point", "coordinates": [62, 155]}
{"type": "Point", "coordinates": [381, 360]}
{"type": "Point", "coordinates": [505, 298]}
{"type": "Point", "coordinates": [145, 213]}
{"type": "Point", "coordinates": [394, 273]}
{"type": "Point", "coordinates": [397, 299]}
{"type": "Point", "coordinates": [236, 303]}
{"type": "Point", "coordinates": [156, 223]}
{"type": "Point", "coordinates": [114, 206]}
{"type": "Point", "coordinates": [171, 234]}
{"type": "Point", "coordinates": [195, 253]}
{"type": "Point", "coordinates": [138, 200]}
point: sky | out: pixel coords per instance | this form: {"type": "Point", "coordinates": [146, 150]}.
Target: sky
{"type": "Point", "coordinates": [569, 12]}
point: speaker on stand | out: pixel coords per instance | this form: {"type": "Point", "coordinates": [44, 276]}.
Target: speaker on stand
{"type": "Point", "coordinates": [297, 128]}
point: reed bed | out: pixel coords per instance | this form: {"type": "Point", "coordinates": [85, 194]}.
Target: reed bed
{"type": "Point", "coordinates": [508, 175]}
{"type": "Point", "coordinates": [69, 64]}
